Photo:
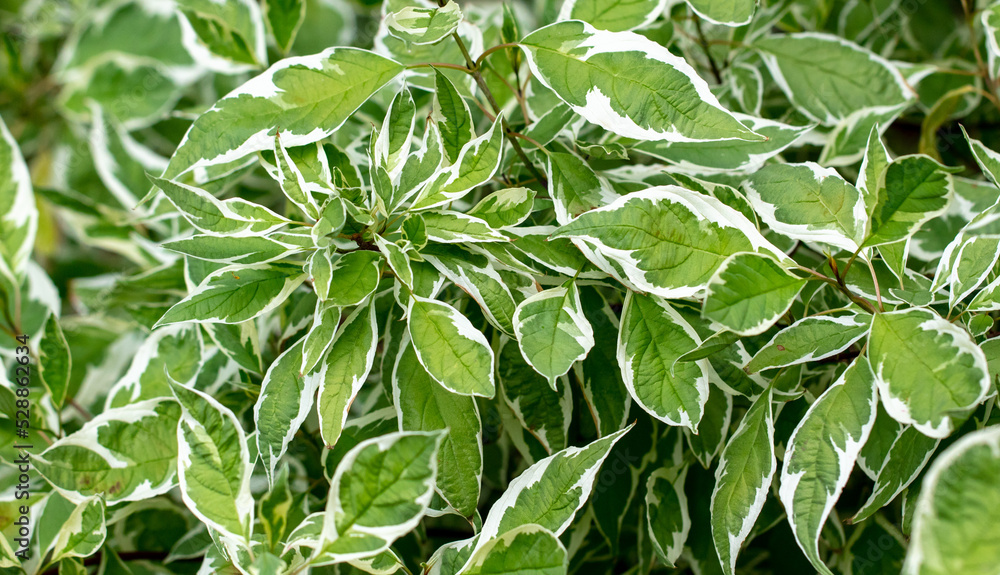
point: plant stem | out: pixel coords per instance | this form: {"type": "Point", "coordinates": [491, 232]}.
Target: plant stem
{"type": "Point", "coordinates": [439, 65]}
{"type": "Point", "coordinates": [488, 51]}
{"type": "Point", "coordinates": [87, 416]}
{"type": "Point", "coordinates": [839, 284]}
{"type": "Point", "coordinates": [704, 46]}
{"type": "Point", "coordinates": [517, 94]}
{"type": "Point", "coordinates": [530, 140]}
{"type": "Point", "coordinates": [478, 77]}
{"type": "Point", "coordinates": [878, 291]}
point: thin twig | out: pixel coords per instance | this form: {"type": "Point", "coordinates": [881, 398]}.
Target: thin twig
{"type": "Point", "coordinates": [496, 108]}
{"type": "Point", "coordinates": [704, 46]}
{"type": "Point", "coordinates": [488, 51]}
{"type": "Point", "coordinates": [87, 416]}
{"type": "Point", "coordinates": [530, 140]}
{"type": "Point", "coordinates": [878, 292]}
{"type": "Point", "coordinates": [439, 65]}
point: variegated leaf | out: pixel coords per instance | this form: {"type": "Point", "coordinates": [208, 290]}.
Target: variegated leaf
{"type": "Point", "coordinates": [928, 369]}
{"type": "Point", "coordinates": [742, 481]}
{"type": "Point", "coordinates": [652, 337]}
{"type": "Point", "coordinates": [286, 397]}
{"type": "Point", "coordinates": [821, 454]}
{"type": "Point", "coordinates": [552, 331]}
{"type": "Point", "coordinates": [345, 369]}
{"type": "Point", "coordinates": [609, 78]}
{"type": "Point", "coordinates": [665, 240]}
{"type": "Point", "coordinates": [451, 349]}
{"type": "Point", "coordinates": [955, 521]}
{"type": "Point", "coordinates": [308, 97]}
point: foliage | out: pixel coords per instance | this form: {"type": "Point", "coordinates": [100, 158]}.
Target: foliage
{"type": "Point", "coordinates": [577, 286]}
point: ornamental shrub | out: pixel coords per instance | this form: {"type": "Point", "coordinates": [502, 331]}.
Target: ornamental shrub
{"type": "Point", "coordinates": [566, 286]}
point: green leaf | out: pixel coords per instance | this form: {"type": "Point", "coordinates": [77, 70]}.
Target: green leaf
{"type": "Point", "coordinates": [742, 481]}
{"type": "Point", "coordinates": [988, 298]}
{"type": "Point", "coordinates": [973, 261]}
{"type": "Point", "coordinates": [574, 186]}
{"type": "Point", "coordinates": [120, 161]}
{"type": "Point", "coordinates": [474, 274]}
{"type": "Point", "coordinates": [550, 492]}
{"type": "Point", "coordinates": [275, 506]}
{"type": "Point", "coordinates": [213, 464]}
{"type": "Point", "coordinates": [667, 517]}
{"type": "Point", "coordinates": [871, 179]}
{"type": "Point", "coordinates": [665, 240]}
{"type": "Point", "coordinates": [552, 331]}
{"type": "Point", "coordinates": [231, 30]}
{"type": "Point", "coordinates": [987, 159]}
{"type": "Point", "coordinates": [392, 144]}
{"type": "Point", "coordinates": [928, 369]}
{"type": "Point", "coordinates": [860, 79]}
{"type": "Point", "coordinates": [598, 374]}
{"type": "Point", "coordinates": [292, 179]}
{"type": "Point", "coordinates": [232, 217]}
{"type": "Point", "coordinates": [423, 405]}
{"type": "Point", "coordinates": [233, 250]}
{"type": "Point", "coordinates": [236, 294]}
{"type": "Point", "coordinates": [424, 25]}
{"type": "Point", "coordinates": [84, 531]}
{"type": "Point", "coordinates": [991, 26]}
{"type": "Point", "coordinates": [240, 342]}
{"type": "Point", "coordinates": [380, 491]}
{"type": "Point", "coordinates": [811, 339]}
{"type": "Point", "coordinates": [325, 321]}
{"type": "Point", "coordinates": [450, 348]}
{"type": "Point", "coordinates": [8, 558]}
{"type": "Point", "coordinates": [19, 223]}
{"type": "Point", "coordinates": [174, 352]}
{"type": "Point", "coordinates": [477, 162]}
{"type": "Point", "coordinates": [906, 458]}
{"type": "Point", "coordinates": [715, 343]}
{"type": "Point", "coordinates": [884, 434]}
{"type": "Point", "coordinates": [526, 550]}
{"type": "Point", "coordinates": [353, 277]}
{"type": "Point", "coordinates": [284, 18]}
{"type": "Point", "coordinates": [821, 453]}
{"type": "Point", "coordinates": [544, 411]}
{"type": "Point", "coordinates": [955, 521]}
{"type": "Point", "coordinates": [345, 369]}
{"type": "Point", "coordinates": [728, 155]}
{"type": "Point", "coordinates": [610, 79]}
{"type": "Point", "coordinates": [652, 337]}
{"type": "Point", "coordinates": [397, 259]}
{"type": "Point", "coordinates": [503, 208]}
{"type": "Point", "coordinates": [917, 190]}
{"type": "Point", "coordinates": [714, 426]}
{"type": "Point", "coordinates": [55, 361]}
{"type": "Point", "coordinates": [749, 293]}
{"type": "Point", "coordinates": [451, 114]}
{"type": "Point", "coordinates": [286, 397]}
{"type": "Point", "coordinates": [332, 218]}
{"type": "Point", "coordinates": [325, 89]}
{"type": "Point", "coordinates": [613, 15]}
{"type": "Point", "coordinates": [747, 85]}
{"type": "Point", "coordinates": [726, 12]}
{"type": "Point", "coordinates": [809, 203]}
{"type": "Point", "coordinates": [124, 454]}
{"type": "Point", "coordinates": [847, 143]}
{"type": "Point", "coordinates": [448, 227]}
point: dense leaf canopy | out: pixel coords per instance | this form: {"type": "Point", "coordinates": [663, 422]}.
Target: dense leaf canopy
{"type": "Point", "coordinates": [502, 287]}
